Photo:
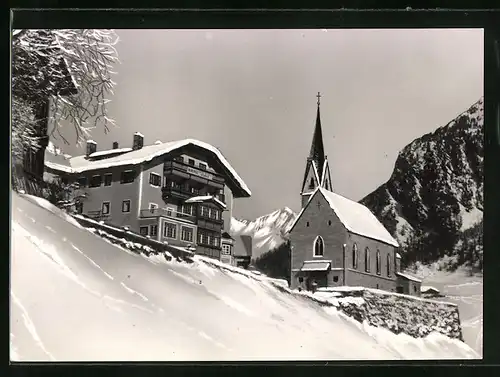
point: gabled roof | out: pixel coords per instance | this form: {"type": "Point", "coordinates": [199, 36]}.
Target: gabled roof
{"type": "Point", "coordinates": [408, 277]}
{"type": "Point", "coordinates": [355, 217]}
{"type": "Point", "coordinates": [79, 164]}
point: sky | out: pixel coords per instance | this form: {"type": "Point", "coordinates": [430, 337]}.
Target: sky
{"type": "Point", "coordinates": [252, 94]}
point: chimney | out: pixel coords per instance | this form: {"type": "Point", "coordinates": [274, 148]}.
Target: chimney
{"type": "Point", "coordinates": [115, 145]}
{"type": "Point", "coordinates": [138, 141]}
{"type": "Point", "coordinates": [91, 147]}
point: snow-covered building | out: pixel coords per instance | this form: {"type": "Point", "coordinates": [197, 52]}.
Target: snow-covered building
{"type": "Point", "coordinates": [179, 192]}
{"type": "Point", "coordinates": [336, 241]}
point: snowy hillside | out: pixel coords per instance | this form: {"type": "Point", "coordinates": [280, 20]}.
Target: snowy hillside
{"type": "Point", "coordinates": [75, 297]}
{"type": "Point", "coordinates": [267, 231]}
{"type": "Point", "coordinates": [435, 193]}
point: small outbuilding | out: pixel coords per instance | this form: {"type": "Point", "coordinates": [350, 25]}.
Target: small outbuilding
{"type": "Point", "coordinates": [430, 292]}
{"type": "Point", "coordinates": [408, 284]}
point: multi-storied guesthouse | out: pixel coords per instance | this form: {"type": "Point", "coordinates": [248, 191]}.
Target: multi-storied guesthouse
{"type": "Point", "coordinates": [180, 192]}
{"type": "Point", "coordinates": [338, 242]}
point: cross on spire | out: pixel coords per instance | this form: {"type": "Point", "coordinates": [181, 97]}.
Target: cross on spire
{"type": "Point", "coordinates": [318, 96]}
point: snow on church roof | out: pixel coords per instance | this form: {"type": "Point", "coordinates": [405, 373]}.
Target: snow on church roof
{"type": "Point", "coordinates": [354, 216]}
{"type": "Point", "coordinates": [79, 164]}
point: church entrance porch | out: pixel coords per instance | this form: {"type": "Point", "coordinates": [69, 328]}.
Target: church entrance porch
{"type": "Point", "coordinates": [313, 275]}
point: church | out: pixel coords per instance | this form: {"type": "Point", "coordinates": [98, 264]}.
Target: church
{"type": "Point", "coordinates": [338, 242]}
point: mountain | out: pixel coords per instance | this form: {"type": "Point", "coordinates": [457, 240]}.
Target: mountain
{"type": "Point", "coordinates": [267, 231]}
{"type": "Point", "coordinates": [433, 202]}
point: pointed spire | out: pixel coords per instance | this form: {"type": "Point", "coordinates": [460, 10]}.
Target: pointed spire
{"type": "Point", "coordinates": [317, 152]}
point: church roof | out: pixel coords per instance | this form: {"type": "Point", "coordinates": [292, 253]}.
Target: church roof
{"type": "Point", "coordinates": [355, 217]}
{"type": "Point", "coordinates": [79, 164]}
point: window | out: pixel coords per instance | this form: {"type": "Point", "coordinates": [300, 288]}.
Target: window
{"type": "Point", "coordinates": [169, 211]}
{"type": "Point", "coordinates": [153, 207]}
{"type": "Point", "coordinates": [367, 259]}
{"type": "Point", "coordinates": [187, 234]}
{"type": "Point", "coordinates": [127, 176]}
{"type": "Point", "coordinates": [143, 230]}
{"type": "Point", "coordinates": [388, 264]}
{"type": "Point", "coordinates": [126, 206]}
{"type": "Point", "coordinates": [105, 208]}
{"type": "Point", "coordinates": [355, 256]}
{"type": "Point", "coordinates": [216, 241]}
{"type": "Point", "coordinates": [82, 181]}
{"type": "Point", "coordinates": [204, 211]}
{"type": "Point", "coordinates": [179, 159]}
{"type": "Point", "coordinates": [108, 178]}
{"type": "Point", "coordinates": [213, 213]}
{"type": "Point", "coordinates": [201, 238]}
{"type": "Point", "coordinates": [318, 246]}
{"type": "Point", "coordinates": [169, 230]}
{"type": "Point", "coordinates": [95, 181]}
{"type": "Point", "coordinates": [79, 207]}
{"type": "Point", "coordinates": [329, 222]}
{"type": "Point", "coordinates": [191, 162]}
{"type": "Point", "coordinates": [301, 280]}
{"type": "Point", "coordinates": [153, 230]}
{"type": "Point", "coordinates": [226, 249]}
{"type": "Point", "coordinates": [202, 166]}
{"type": "Point", "coordinates": [335, 279]}
{"type": "Point", "coordinates": [209, 240]}
{"type": "Point", "coordinates": [307, 224]}
{"type": "Point", "coordinates": [415, 288]}
{"type": "Point", "coordinates": [154, 179]}
{"type": "Point", "coordinates": [378, 262]}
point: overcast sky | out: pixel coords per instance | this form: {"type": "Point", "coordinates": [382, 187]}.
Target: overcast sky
{"type": "Point", "coordinates": [252, 94]}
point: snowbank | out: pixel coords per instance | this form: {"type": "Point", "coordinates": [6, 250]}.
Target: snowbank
{"type": "Point", "coordinates": [112, 305]}
{"type": "Point", "coordinates": [52, 208]}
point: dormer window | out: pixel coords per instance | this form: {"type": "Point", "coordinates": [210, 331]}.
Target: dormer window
{"type": "Point", "coordinates": [202, 166]}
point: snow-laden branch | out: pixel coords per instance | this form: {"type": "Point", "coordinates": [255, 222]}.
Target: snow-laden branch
{"type": "Point", "coordinates": [53, 63]}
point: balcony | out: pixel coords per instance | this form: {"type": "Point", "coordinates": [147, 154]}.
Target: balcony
{"type": "Point", "coordinates": [162, 212]}
{"type": "Point", "coordinates": [185, 192]}
{"type": "Point", "coordinates": [213, 179]}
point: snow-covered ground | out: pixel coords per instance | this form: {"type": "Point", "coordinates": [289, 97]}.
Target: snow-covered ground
{"type": "Point", "coordinates": [76, 297]}
{"type": "Point", "coordinates": [465, 291]}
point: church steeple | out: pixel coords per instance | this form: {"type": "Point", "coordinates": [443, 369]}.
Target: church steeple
{"type": "Point", "coordinates": [317, 152]}
{"type": "Point", "coordinates": [317, 171]}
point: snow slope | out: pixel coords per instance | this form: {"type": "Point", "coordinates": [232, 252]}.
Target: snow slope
{"type": "Point", "coordinates": [75, 297]}
{"type": "Point", "coordinates": [464, 290]}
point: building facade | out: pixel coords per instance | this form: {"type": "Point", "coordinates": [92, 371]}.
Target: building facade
{"type": "Point", "coordinates": [178, 192]}
{"type": "Point", "coordinates": [336, 241]}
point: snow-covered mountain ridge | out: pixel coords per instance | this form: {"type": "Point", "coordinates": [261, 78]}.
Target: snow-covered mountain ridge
{"type": "Point", "coordinates": [268, 231]}
{"type": "Point", "coordinates": [433, 202]}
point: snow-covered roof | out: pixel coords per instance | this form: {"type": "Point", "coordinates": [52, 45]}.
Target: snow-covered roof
{"type": "Point", "coordinates": [110, 151]}
{"type": "Point", "coordinates": [79, 164]}
{"type": "Point", "coordinates": [197, 199]}
{"type": "Point", "coordinates": [354, 216]}
{"type": "Point", "coordinates": [91, 142]}
{"type": "Point", "coordinates": [428, 288]}
{"type": "Point", "coordinates": [409, 277]}
{"type": "Point", "coordinates": [312, 265]}
{"type": "Point", "coordinates": [139, 134]}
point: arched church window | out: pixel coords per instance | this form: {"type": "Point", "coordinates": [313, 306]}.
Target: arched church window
{"type": "Point", "coordinates": [354, 256]}
{"type": "Point", "coordinates": [318, 246]}
{"type": "Point", "coordinates": [378, 262]}
{"type": "Point", "coordinates": [388, 264]}
{"type": "Point", "coordinates": [367, 259]}
{"type": "Point", "coordinates": [311, 183]}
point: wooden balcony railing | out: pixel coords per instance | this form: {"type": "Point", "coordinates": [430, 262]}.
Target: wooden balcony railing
{"type": "Point", "coordinates": [190, 169]}
{"type": "Point", "coordinates": [163, 212]}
